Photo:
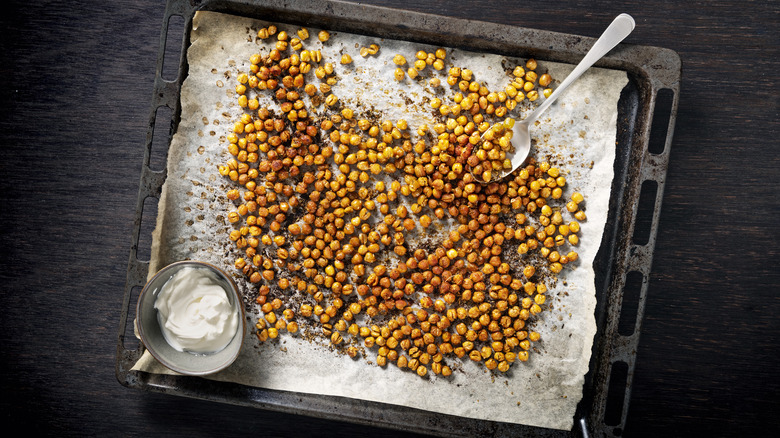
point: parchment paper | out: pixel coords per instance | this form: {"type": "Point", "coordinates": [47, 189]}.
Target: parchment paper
{"type": "Point", "coordinates": [577, 134]}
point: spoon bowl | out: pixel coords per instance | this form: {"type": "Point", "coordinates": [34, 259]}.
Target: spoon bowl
{"type": "Point", "coordinates": [520, 140]}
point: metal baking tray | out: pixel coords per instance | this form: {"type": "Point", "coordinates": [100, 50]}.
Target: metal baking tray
{"type": "Point", "coordinates": [646, 118]}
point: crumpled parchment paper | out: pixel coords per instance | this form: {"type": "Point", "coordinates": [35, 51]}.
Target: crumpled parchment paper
{"type": "Point", "coordinates": [577, 134]}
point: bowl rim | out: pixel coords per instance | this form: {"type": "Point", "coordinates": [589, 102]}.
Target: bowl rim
{"type": "Point", "coordinates": [240, 330]}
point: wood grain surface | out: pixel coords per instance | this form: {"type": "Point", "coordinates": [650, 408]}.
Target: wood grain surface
{"type": "Point", "coordinates": [77, 80]}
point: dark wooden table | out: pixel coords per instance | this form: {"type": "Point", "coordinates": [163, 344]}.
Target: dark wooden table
{"type": "Point", "coordinates": [76, 89]}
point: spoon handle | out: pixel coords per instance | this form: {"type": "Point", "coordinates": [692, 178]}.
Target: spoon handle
{"type": "Point", "coordinates": [620, 28]}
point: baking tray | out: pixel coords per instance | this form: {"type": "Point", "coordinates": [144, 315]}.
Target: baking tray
{"type": "Point", "coordinates": [646, 117]}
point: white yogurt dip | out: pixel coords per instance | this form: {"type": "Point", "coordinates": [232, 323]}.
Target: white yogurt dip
{"type": "Point", "coordinates": [194, 312]}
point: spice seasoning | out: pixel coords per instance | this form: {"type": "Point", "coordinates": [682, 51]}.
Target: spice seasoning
{"type": "Point", "coordinates": [305, 189]}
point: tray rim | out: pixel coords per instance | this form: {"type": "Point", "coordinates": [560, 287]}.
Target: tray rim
{"type": "Point", "coordinates": [654, 67]}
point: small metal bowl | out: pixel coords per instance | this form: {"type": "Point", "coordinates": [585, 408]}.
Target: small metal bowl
{"type": "Point", "coordinates": [193, 364]}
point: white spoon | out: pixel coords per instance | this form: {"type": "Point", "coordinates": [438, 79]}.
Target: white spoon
{"type": "Point", "coordinates": [620, 28]}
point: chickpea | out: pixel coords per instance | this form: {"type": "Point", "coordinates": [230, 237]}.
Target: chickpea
{"type": "Point", "coordinates": [331, 100]}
